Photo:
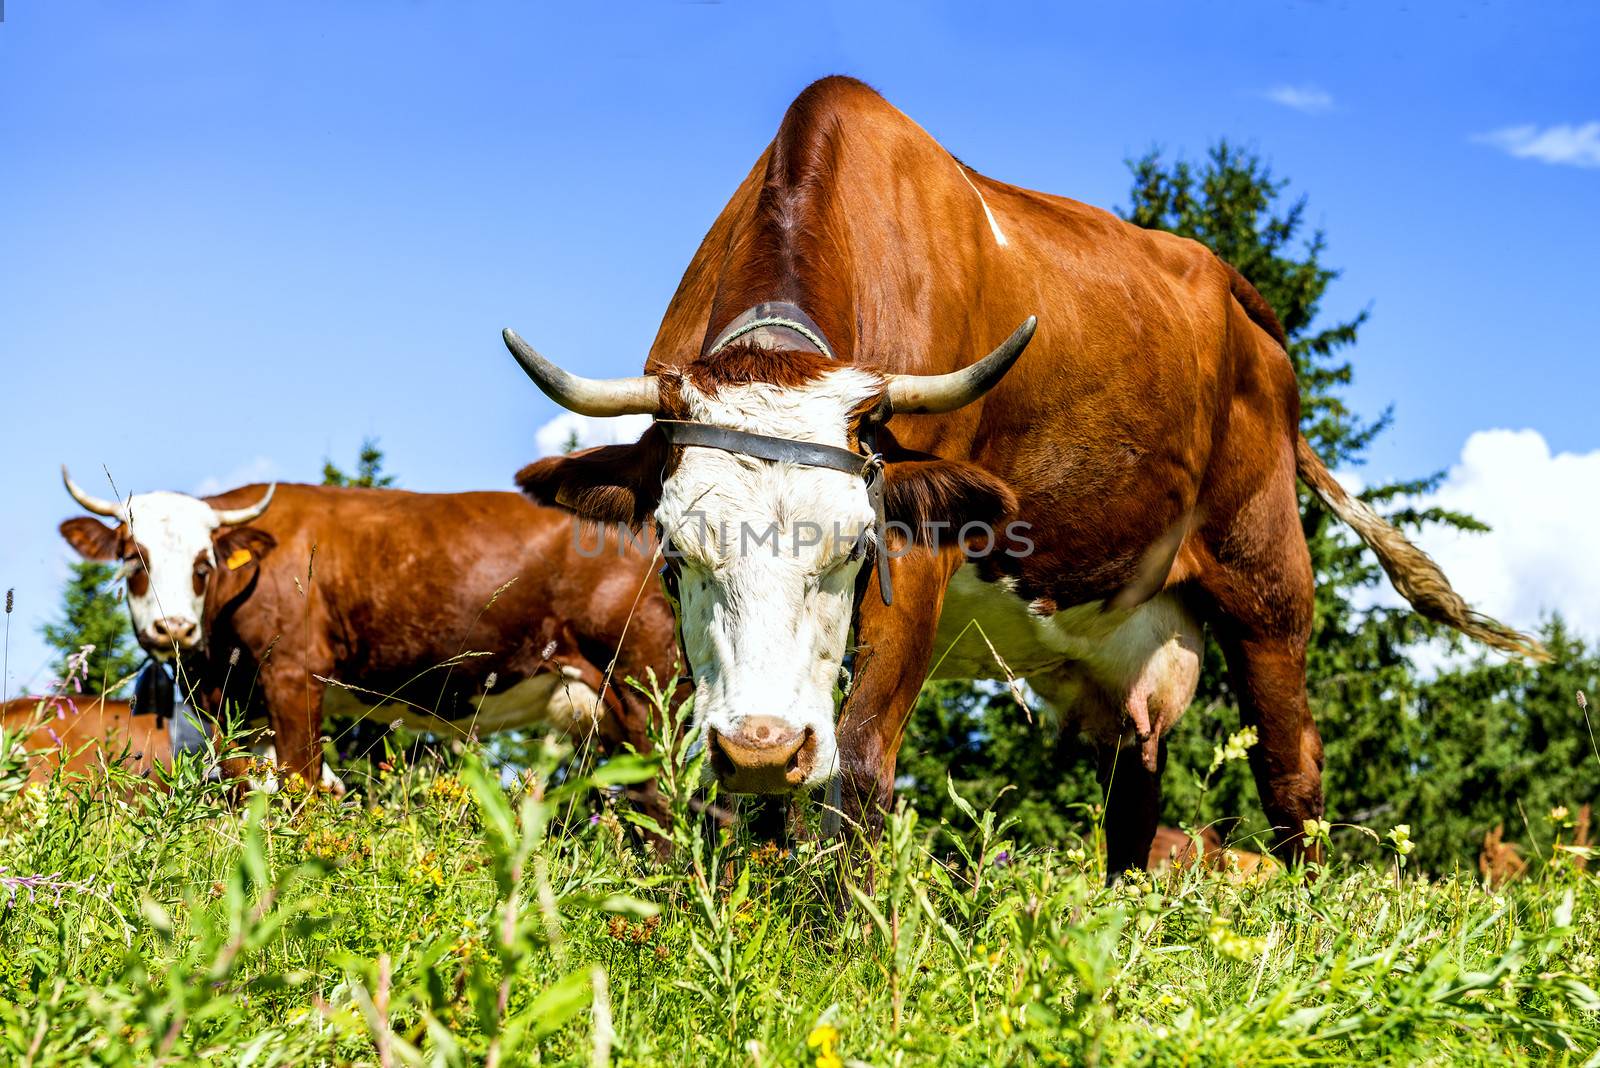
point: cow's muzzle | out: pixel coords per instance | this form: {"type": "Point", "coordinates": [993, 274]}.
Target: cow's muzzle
{"type": "Point", "coordinates": [765, 756]}
{"type": "Point", "coordinates": [170, 634]}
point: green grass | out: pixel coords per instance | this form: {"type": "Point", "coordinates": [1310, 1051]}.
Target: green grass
{"type": "Point", "coordinates": [437, 916]}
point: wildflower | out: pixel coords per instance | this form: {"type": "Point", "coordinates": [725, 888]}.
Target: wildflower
{"type": "Point", "coordinates": [428, 872]}
{"type": "Point", "coordinates": [1558, 816]}
{"type": "Point", "coordinates": [1316, 830]}
{"type": "Point", "coordinates": [447, 790]}
{"type": "Point", "coordinates": [1230, 943]}
{"type": "Point", "coordinates": [1400, 838]}
{"type": "Point", "coordinates": [1002, 858]}
{"type": "Point", "coordinates": [328, 846]}
{"type": "Point", "coordinates": [662, 953]}
{"type": "Point", "coordinates": [1076, 855]}
{"type": "Point", "coordinates": [375, 813]}
{"type": "Point", "coordinates": [1235, 748]}
{"type": "Point", "coordinates": [823, 1038]}
{"type": "Point", "coordinates": [617, 928]}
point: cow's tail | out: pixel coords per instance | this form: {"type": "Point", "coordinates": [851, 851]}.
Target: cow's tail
{"type": "Point", "coordinates": [1412, 571]}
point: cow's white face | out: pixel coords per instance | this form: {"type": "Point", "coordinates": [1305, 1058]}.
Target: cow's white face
{"type": "Point", "coordinates": [168, 563]}
{"type": "Point", "coordinates": [169, 545]}
{"type": "Point", "coordinates": [769, 555]}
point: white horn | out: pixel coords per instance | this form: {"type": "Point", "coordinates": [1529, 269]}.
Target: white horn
{"type": "Point", "coordinates": [586, 396]}
{"type": "Point", "coordinates": [931, 394]}
{"type": "Point", "coordinates": [229, 517]}
{"type": "Point", "coordinates": [97, 505]}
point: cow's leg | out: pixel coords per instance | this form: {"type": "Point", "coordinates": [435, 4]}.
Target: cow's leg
{"type": "Point", "coordinates": [1257, 575]}
{"type": "Point", "coordinates": [294, 714]}
{"type": "Point", "coordinates": [894, 649]}
{"type": "Point", "coordinates": [1133, 804]}
{"type": "Point", "coordinates": [1268, 674]}
{"type": "Point", "coordinates": [1130, 788]}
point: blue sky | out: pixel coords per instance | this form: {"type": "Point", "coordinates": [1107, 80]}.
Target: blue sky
{"type": "Point", "coordinates": [235, 239]}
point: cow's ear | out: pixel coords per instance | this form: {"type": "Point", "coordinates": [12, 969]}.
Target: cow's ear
{"type": "Point", "coordinates": [608, 484]}
{"type": "Point", "coordinates": [92, 538]}
{"type": "Point", "coordinates": [239, 552]}
{"type": "Point", "coordinates": [934, 499]}
{"type": "Point", "coordinates": [241, 547]}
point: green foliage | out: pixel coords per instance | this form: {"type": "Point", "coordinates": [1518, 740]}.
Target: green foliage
{"type": "Point", "coordinates": [92, 615]}
{"type": "Point", "coordinates": [369, 469]}
{"type": "Point", "coordinates": [456, 914]}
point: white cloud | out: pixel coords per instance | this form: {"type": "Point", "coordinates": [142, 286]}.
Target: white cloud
{"type": "Point", "coordinates": [1542, 554]}
{"type": "Point", "coordinates": [1577, 146]}
{"type": "Point", "coordinates": [261, 469]}
{"type": "Point", "coordinates": [1307, 98]}
{"type": "Point", "coordinates": [559, 434]}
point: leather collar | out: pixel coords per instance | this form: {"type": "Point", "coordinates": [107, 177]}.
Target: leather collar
{"type": "Point", "coordinates": [805, 453]}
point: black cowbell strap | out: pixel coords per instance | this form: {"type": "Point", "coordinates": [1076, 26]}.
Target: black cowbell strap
{"type": "Point", "coordinates": [153, 693]}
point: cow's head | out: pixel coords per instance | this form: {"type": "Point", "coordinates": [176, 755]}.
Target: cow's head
{"type": "Point", "coordinates": [768, 554]}
{"type": "Point", "coordinates": [177, 553]}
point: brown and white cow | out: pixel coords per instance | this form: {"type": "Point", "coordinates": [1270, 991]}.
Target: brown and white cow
{"type": "Point", "coordinates": [1138, 463]}
{"type": "Point", "coordinates": [450, 612]}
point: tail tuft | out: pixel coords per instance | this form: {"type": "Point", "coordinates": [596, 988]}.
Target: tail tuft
{"type": "Point", "coordinates": [1413, 572]}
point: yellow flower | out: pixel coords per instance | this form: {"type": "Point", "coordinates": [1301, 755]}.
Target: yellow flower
{"type": "Point", "coordinates": [822, 1035]}
{"type": "Point", "coordinates": [1558, 814]}
{"type": "Point", "coordinates": [447, 789]}
{"type": "Point", "coordinates": [1236, 748]}
{"type": "Point", "coordinates": [1317, 830]}
{"type": "Point", "coordinates": [1230, 943]}
{"type": "Point", "coordinates": [822, 1038]}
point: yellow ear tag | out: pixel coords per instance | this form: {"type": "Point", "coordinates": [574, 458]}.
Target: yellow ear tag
{"type": "Point", "coordinates": [238, 559]}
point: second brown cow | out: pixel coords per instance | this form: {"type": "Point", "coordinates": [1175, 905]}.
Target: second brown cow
{"type": "Point", "coordinates": [453, 613]}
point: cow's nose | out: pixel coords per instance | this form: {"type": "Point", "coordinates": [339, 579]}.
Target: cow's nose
{"type": "Point", "coordinates": [173, 631]}
{"type": "Point", "coordinates": [764, 755]}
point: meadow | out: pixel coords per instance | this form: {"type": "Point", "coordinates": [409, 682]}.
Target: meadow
{"type": "Point", "coordinates": [449, 910]}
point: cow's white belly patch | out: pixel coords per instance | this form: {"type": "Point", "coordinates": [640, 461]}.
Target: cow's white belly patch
{"type": "Point", "coordinates": [549, 700]}
{"type": "Point", "coordinates": [1111, 671]}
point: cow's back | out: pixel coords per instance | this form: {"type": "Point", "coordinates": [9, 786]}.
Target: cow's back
{"type": "Point", "coordinates": [85, 730]}
{"type": "Point", "coordinates": [383, 588]}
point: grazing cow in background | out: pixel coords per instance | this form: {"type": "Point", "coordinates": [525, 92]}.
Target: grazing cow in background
{"type": "Point", "coordinates": [1082, 517]}
{"type": "Point", "coordinates": [373, 603]}
{"type": "Point", "coordinates": [84, 730]}
{"type": "Point", "coordinates": [1172, 848]}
